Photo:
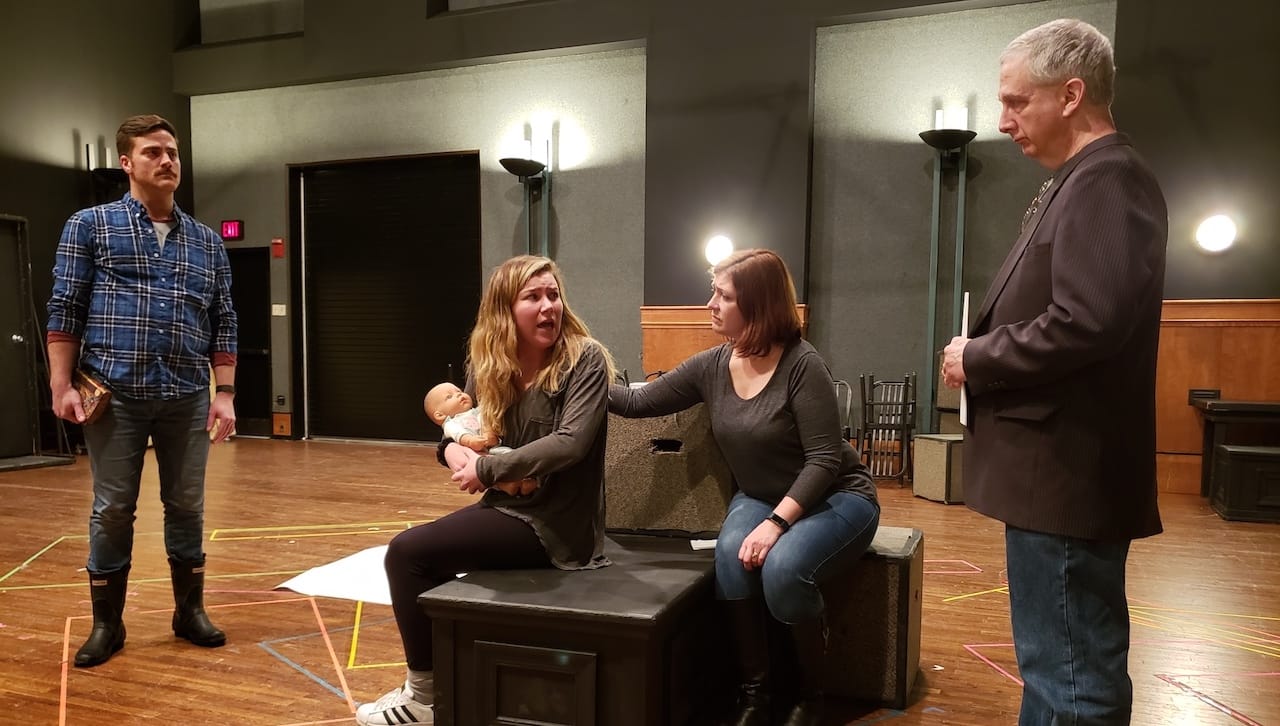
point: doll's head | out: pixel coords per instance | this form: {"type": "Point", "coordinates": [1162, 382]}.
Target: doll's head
{"type": "Point", "coordinates": [445, 400]}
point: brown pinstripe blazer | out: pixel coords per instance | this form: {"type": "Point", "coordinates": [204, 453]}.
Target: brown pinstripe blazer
{"type": "Point", "coordinates": [1062, 358]}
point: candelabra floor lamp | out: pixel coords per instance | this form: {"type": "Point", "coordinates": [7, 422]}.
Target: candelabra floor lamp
{"type": "Point", "coordinates": [951, 147]}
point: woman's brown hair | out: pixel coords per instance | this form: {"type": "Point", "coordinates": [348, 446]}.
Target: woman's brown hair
{"type": "Point", "coordinates": [766, 299]}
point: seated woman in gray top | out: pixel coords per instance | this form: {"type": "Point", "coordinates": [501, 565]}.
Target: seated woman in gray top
{"type": "Point", "coordinates": [542, 382]}
{"type": "Point", "coordinates": [805, 510]}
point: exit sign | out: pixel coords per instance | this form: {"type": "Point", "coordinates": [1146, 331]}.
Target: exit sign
{"type": "Point", "coordinates": [232, 230]}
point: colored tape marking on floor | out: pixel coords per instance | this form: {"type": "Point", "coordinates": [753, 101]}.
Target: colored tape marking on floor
{"type": "Point", "coordinates": [1207, 700]}
{"type": "Point", "coordinates": [973, 569]}
{"type": "Point", "coordinates": [1004, 589]}
{"type": "Point", "coordinates": [343, 692]}
{"type": "Point", "coordinates": [225, 534]}
{"type": "Point", "coordinates": [32, 558]}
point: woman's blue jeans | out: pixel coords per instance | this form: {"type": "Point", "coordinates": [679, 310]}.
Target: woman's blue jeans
{"type": "Point", "coordinates": [117, 445]}
{"type": "Point", "coordinates": [1070, 629]}
{"type": "Point", "coordinates": [826, 542]}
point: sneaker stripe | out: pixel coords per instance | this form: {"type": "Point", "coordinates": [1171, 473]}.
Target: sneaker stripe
{"type": "Point", "coordinates": [398, 708]}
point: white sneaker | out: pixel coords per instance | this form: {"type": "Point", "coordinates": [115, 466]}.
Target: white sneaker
{"type": "Point", "coordinates": [394, 708]}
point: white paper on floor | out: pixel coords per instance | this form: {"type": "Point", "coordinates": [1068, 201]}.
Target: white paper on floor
{"type": "Point", "coordinates": [355, 577]}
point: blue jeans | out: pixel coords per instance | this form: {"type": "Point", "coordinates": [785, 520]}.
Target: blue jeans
{"type": "Point", "coordinates": [117, 446]}
{"type": "Point", "coordinates": [826, 542]}
{"type": "Point", "coordinates": [1070, 628]}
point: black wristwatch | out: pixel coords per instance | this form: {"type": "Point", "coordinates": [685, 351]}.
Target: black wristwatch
{"type": "Point", "coordinates": [777, 519]}
{"type": "Point", "coordinates": [225, 388]}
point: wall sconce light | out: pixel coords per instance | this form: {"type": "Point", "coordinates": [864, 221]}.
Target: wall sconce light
{"type": "Point", "coordinates": [1216, 233]}
{"type": "Point", "coordinates": [522, 168]}
{"type": "Point", "coordinates": [950, 140]}
{"type": "Point", "coordinates": [950, 132]}
{"type": "Point", "coordinates": [718, 248]}
{"type": "Point", "coordinates": [952, 117]}
{"type": "Point", "coordinates": [536, 178]}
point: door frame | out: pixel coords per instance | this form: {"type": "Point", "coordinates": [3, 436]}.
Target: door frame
{"type": "Point", "coordinates": [295, 253]}
{"type": "Point", "coordinates": [254, 426]}
{"type": "Point", "coordinates": [27, 328]}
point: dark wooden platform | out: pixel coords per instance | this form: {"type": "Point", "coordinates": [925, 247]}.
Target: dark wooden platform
{"type": "Point", "coordinates": [623, 645]}
{"type": "Point", "coordinates": [1246, 483]}
{"type": "Point", "coordinates": [1247, 423]}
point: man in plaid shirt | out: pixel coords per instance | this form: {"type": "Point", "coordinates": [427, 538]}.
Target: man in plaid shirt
{"type": "Point", "coordinates": [142, 301]}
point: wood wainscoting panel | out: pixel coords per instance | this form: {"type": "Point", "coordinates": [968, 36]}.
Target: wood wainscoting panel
{"type": "Point", "coordinates": [671, 333]}
{"type": "Point", "coordinates": [1229, 345]}
{"type": "Point", "coordinates": [1189, 358]}
{"type": "Point", "coordinates": [1251, 362]}
{"type": "Point", "coordinates": [1178, 473]}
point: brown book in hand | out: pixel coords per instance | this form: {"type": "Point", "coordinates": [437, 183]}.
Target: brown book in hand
{"type": "Point", "coordinates": [94, 395]}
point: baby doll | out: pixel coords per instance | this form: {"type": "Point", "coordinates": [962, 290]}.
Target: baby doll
{"type": "Point", "coordinates": [451, 409]}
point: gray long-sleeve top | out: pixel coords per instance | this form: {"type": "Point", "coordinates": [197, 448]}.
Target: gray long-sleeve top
{"type": "Point", "coordinates": [784, 441]}
{"type": "Point", "coordinates": [559, 440]}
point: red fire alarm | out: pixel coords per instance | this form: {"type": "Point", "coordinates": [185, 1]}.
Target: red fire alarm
{"type": "Point", "coordinates": [277, 246]}
{"type": "Point", "coordinates": [232, 230]}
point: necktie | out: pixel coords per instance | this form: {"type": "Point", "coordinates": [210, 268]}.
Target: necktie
{"type": "Point", "coordinates": [1035, 203]}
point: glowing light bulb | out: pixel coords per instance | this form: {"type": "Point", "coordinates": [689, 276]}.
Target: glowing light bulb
{"type": "Point", "coordinates": [1216, 233]}
{"type": "Point", "coordinates": [718, 248]}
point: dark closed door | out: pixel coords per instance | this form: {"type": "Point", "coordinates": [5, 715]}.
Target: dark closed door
{"type": "Point", "coordinates": [17, 391]}
{"type": "Point", "coordinates": [251, 295]}
{"type": "Point", "coordinates": [391, 285]}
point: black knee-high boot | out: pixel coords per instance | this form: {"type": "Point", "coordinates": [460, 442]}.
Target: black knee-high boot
{"type": "Point", "coordinates": [747, 627]}
{"type": "Point", "coordinates": [811, 648]}
{"type": "Point", "coordinates": [189, 618]}
{"type": "Point", "coordinates": [106, 590]}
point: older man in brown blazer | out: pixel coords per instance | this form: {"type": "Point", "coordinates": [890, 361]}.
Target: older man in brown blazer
{"type": "Point", "coordinates": [1060, 376]}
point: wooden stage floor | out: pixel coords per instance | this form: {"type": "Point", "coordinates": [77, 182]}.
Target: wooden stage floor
{"type": "Point", "coordinates": [1204, 596]}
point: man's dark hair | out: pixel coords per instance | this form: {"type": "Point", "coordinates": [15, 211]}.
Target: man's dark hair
{"type": "Point", "coordinates": [136, 126]}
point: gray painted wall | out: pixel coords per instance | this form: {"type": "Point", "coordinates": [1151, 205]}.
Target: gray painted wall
{"type": "Point", "coordinates": [73, 70]}
{"type": "Point", "coordinates": [1193, 90]}
{"type": "Point", "coordinates": [730, 119]}
{"type": "Point", "coordinates": [244, 141]}
{"type": "Point", "coordinates": [1197, 90]}
{"type": "Point", "coordinates": [342, 39]}
{"type": "Point", "coordinates": [877, 85]}
{"type": "Point", "coordinates": [223, 21]}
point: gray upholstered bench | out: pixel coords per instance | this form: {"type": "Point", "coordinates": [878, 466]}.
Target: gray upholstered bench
{"type": "Point", "coordinates": [873, 649]}
{"type": "Point", "coordinates": [666, 474]}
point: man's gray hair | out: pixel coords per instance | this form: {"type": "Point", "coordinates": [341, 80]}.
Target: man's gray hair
{"type": "Point", "coordinates": [1064, 49]}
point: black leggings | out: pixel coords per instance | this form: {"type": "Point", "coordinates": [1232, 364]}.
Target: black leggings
{"type": "Point", "coordinates": [474, 538]}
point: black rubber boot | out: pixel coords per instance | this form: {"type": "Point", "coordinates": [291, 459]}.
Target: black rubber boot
{"type": "Point", "coordinates": [189, 618]}
{"type": "Point", "coordinates": [106, 590]}
{"type": "Point", "coordinates": [811, 648]}
{"type": "Point", "coordinates": [747, 627]}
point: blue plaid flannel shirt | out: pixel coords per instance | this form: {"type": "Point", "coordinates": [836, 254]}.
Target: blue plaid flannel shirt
{"type": "Point", "coordinates": [149, 319]}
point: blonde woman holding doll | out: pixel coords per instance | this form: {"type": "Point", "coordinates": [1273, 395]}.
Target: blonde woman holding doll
{"type": "Point", "coordinates": [541, 382]}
